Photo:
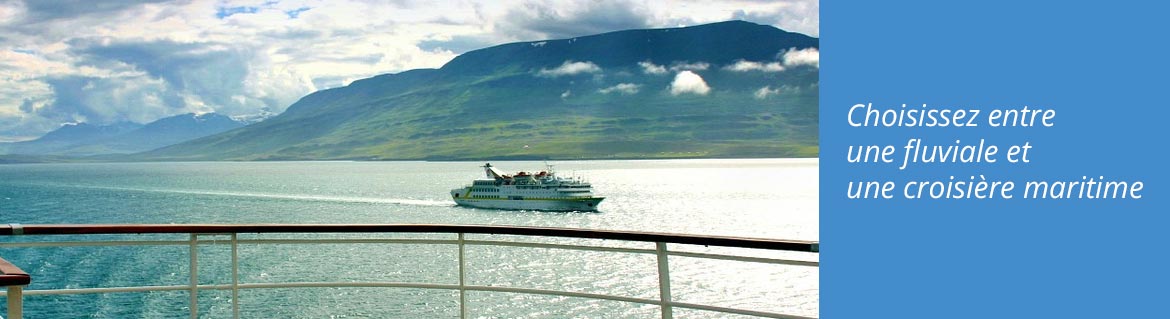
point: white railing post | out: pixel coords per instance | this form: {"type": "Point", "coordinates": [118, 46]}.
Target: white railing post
{"type": "Point", "coordinates": [15, 302]}
{"type": "Point", "coordinates": [235, 277]}
{"type": "Point", "coordinates": [664, 281]}
{"type": "Point", "coordinates": [194, 288]}
{"type": "Point", "coordinates": [462, 284]}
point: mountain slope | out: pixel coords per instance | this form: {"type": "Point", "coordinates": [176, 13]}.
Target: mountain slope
{"type": "Point", "coordinates": [62, 140]}
{"type": "Point", "coordinates": [609, 95]}
{"type": "Point", "coordinates": [123, 138]}
{"type": "Point", "coordinates": [718, 43]}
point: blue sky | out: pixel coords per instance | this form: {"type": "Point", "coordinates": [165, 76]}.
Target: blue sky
{"type": "Point", "coordinates": [68, 61]}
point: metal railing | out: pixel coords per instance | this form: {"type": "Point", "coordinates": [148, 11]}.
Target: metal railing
{"type": "Point", "coordinates": [196, 231]}
{"type": "Point", "coordinates": [14, 279]}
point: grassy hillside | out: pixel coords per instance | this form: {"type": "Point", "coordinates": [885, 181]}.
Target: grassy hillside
{"type": "Point", "coordinates": [505, 102]}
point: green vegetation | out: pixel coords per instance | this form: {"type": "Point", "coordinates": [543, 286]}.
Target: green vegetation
{"type": "Point", "coordinates": [494, 103]}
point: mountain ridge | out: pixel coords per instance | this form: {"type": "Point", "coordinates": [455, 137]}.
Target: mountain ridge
{"type": "Point", "coordinates": [667, 45]}
{"type": "Point", "coordinates": [84, 139]}
{"type": "Point", "coordinates": [508, 101]}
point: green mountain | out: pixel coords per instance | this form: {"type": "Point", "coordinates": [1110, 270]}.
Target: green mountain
{"type": "Point", "coordinates": [614, 95]}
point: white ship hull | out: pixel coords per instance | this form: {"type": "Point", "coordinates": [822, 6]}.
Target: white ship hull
{"type": "Point", "coordinates": [579, 204]}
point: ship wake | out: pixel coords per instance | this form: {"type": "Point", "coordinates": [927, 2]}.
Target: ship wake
{"type": "Point", "coordinates": [295, 197]}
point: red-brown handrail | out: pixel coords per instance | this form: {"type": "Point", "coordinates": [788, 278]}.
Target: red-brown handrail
{"type": "Point", "coordinates": [726, 241]}
{"type": "Point", "coordinates": [10, 275]}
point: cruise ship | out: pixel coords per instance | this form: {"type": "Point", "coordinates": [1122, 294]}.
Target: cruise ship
{"type": "Point", "coordinates": [531, 191]}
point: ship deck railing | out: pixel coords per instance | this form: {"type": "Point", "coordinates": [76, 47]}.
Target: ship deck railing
{"type": "Point", "coordinates": [16, 280]}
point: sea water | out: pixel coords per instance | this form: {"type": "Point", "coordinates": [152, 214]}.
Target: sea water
{"type": "Point", "coordinates": [769, 198]}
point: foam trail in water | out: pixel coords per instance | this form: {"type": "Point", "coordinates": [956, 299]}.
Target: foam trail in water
{"type": "Point", "coordinates": [343, 199]}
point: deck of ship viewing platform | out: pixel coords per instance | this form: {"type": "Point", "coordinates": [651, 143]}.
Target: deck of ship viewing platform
{"type": "Point", "coordinates": [227, 234]}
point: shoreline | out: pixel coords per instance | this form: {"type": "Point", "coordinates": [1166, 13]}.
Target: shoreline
{"type": "Point", "coordinates": [23, 159]}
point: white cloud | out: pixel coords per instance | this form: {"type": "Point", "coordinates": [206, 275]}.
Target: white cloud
{"type": "Point", "coordinates": [623, 88]}
{"type": "Point", "coordinates": [745, 66]}
{"type": "Point", "coordinates": [566, 94]}
{"type": "Point", "coordinates": [766, 91]}
{"type": "Point", "coordinates": [274, 52]}
{"type": "Point", "coordinates": [806, 56]}
{"type": "Point", "coordinates": [570, 68]}
{"type": "Point", "coordinates": [689, 82]}
{"type": "Point", "coordinates": [11, 11]}
{"type": "Point", "coordinates": [796, 16]}
{"type": "Point", "coordinates": [651, 68]}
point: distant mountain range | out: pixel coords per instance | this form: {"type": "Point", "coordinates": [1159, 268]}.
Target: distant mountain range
{"type": "Point", "coordinates": [84, 139]}
{"type": "Point", "coordinates": [730, 89]}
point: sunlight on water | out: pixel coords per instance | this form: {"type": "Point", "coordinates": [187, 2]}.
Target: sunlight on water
{"type": "Point", "coordinates": [772, 198]}
{"type": "Point", "coordinates": [416, 202]}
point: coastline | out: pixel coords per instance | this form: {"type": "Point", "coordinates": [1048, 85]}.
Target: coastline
{"type": "Point", "coordinates": [37, 159]}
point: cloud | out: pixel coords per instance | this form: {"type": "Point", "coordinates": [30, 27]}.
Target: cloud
{"type": "Point", "coordinates": [766, 91]}
{"type": "Point", "coordinates": [688, 82]}
{"type": "Point", "coordinates": [688, 66]}
{"type": "Point", "coordinates": [745, 66]}
{"type": "Point", "coordinates": [196, 77]}
{"type": "Point", "coordinates": [44, 10]}
{"type": "Point", "coordinates": [565, 19]}
{"type": "Point", "coordinates": [623, 88]}
{"type": "Point", "coordinates": [651, 68]}
{"type": "Point", "coordinates": [566, 94]}
{"type": "Point", "coordinates": [796, 16]}
{"type": "Point", "coordinates": [806, 56]}
{"type": "Point", "coordinates": [791, 57]}
{"type": "Point", "coordinates": [144, 61]}
{"type": "Point", "coordinates": [299, 34]}
{"type": "Point", "coordinates": [570, 67]}
{"type": "Point", "coordinates": [456, 44]}
{"type": "Point", "coordinates": [196, 66]}
{"type": "Point", "coordinates": [108, 99]}
{"type": "Point", "coordinates": [140, 60]}
{"type": "Point", "coordinates": [30, 105]}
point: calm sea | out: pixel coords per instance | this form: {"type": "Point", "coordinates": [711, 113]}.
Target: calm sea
{"type": "Point", "coordinates": [773, 198]}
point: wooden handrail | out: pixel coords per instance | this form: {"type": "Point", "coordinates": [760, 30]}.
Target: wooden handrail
{"type": "Point", "coordinates": [725, 241]}
{"type": "Point", "coordinates": [10, 275]}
